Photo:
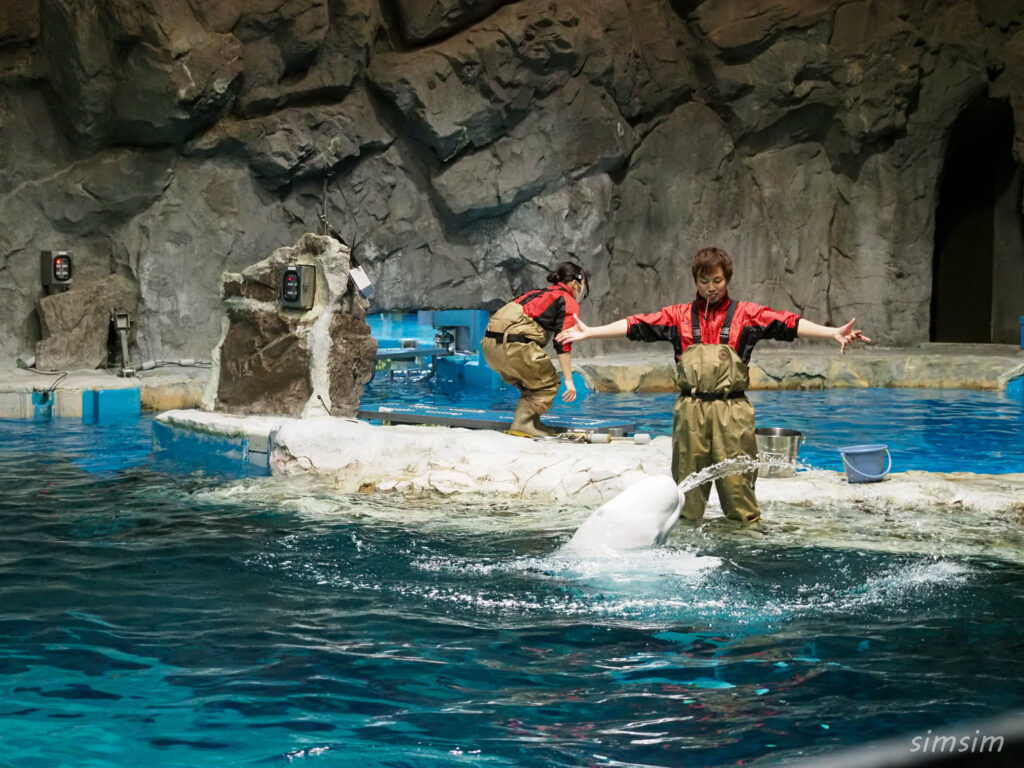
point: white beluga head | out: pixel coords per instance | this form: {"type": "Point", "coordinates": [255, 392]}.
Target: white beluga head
{"type": "Point", "coordinates": [641, 516]}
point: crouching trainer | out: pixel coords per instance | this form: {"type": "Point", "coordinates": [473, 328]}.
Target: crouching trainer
{"type": "Point", "coordinates": [513, 345]}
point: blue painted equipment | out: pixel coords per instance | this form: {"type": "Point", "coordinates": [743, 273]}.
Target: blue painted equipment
{"type": "Point", "coordinates": [454, 359]}
{"type": "Point", "coordinates": [102, 406]}
{"type": "Point", "coordinates": [1015, 388]}
{"type": "Point", "coordinates": [42, 405]}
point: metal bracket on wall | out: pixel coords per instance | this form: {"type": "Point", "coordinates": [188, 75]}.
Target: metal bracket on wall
{"type": "Point", "coordinates": [122, 323]}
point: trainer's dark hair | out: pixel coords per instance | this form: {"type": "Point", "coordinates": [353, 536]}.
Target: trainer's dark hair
{"type": "Point", "coordinates": [707, 259]}
{"type": "Point", "coordinates": [568, 271]}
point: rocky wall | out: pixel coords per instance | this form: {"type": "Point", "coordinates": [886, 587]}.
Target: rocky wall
{"type": "Point", "coordinates": [463, 148]}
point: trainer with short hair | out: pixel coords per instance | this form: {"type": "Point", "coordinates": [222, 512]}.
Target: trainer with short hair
{"type": "Point", "coordinates": [713, 337]}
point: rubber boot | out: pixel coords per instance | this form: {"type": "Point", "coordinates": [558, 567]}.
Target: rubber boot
{"type": "Point", "coordinates": [522, 421]}
{"type": "Point", "coordinates": [542, 427]}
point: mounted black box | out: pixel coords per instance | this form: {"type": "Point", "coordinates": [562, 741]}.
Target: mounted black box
{"type": "Point", "coordinates": [298, 286]}
{"type": "Point", "coordinates": [55, 268]}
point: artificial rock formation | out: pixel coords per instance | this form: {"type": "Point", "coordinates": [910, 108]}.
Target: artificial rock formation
{"type": "Point", "coordinates": [463, 148]}
{"type": "Point", "coordinates": [76, 323]}
{"type": "Point", "coordinates": [273, 360]}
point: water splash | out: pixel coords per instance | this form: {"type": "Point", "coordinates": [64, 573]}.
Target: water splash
{"type": "Point", "coordinates": [643, 515]}
{"type": "Point", "coordinates": [733, 466]}
{"type": "Point", "coordinates": [807, 519]}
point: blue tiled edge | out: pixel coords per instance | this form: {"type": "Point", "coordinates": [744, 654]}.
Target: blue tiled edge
{"type": "Point", "coordinates": [1015, 388]}
{"type": "Point", "coordinates": [216, 452]}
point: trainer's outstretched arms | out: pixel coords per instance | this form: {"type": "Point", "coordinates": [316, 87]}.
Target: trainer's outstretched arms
{"type": "Point", "coordinates": [582, 331]}
{"type": "Point", "coordinates": [844, 335]}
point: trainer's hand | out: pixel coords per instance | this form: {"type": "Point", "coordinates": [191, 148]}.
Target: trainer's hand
{"type": "Point", "coordinates": [848, 334]}
{"type": "Point", "coordinates": [578, 332]}
{"type": "Point", "coordinates": [569, 393]}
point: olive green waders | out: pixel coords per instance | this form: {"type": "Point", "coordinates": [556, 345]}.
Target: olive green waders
{"type": "Point", "coordinates": [519, 359]}
{"type": "Point", "coordinates": [714, 421]}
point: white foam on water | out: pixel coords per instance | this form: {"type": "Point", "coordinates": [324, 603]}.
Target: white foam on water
{"type": "Point", "coordinates": [668, 585]}
{"type": "Point", "coordinates": [317, 500]}
{"type": "Point", "coordinates": [871, 524]}
{"type": "Point", "coordinates": [636, 586]}
{"type": "Point", "coordinates": [659, 587]}
{"type": "Point", "coordinates": [625, 567]}
{"type": "Point", "coordinates": [897, 585]}
{"type": "Point", "coordinates": [891, 590]}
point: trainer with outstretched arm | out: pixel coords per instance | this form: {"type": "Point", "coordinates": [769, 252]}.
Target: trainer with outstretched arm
{"type": "Point", "coordinates": [513, 345]}
{"type": "Point", "coordinates": [713, 337]}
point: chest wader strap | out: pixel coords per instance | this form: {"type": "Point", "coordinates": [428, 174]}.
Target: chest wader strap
{"type": "Point", "coordinates": [708, 397]}
{"type": "Point", "coordinates": [508, 338]}
{"type": "Point", "coordinates": [723, 337]}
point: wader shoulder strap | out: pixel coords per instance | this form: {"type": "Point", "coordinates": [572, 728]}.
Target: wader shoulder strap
{"type": "Point", "coordinates": [723, 337]}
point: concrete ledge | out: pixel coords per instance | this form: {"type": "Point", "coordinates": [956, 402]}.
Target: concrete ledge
{"type": "Point", "coordinates": [644, 368]}
{"type": "Point", "coordinates": [789, 366]}
{"type": "Point", "coordinates": [94, 395]}
{"type": "Point", "coordinates": [88, 395]}
{"type": "Point", "coordinates": [173, 389]}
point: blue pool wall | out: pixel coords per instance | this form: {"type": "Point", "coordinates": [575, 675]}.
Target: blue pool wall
{"type": "Point", "coordinates": [241, 455]}
{"type": "Point", "coordinates": [1015, 389]}
{"type": "Point", "coordinates": [106, 405]}
{"type": "Point", "coordinates": [91, 406]}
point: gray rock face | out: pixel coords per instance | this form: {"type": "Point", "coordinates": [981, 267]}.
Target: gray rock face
{"type": "Point", "coordinates": [76, 323]}
{"type": "Point", "coordinates": [274, 360]}
{"type": "Point", "coordinates": [298, 142]}
{"type": "Point", "coordinates": [20, 22]}
{"type": "Point", "coordinates": [576, 132]}
{"type": "Point", "coordinates": [137, 73]}
{"type": "Point", "coordinates": [423, 20]}
{"type": "Point", "coordinates": [469, 146]}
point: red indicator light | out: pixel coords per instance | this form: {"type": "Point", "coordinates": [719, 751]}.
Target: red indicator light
{"type": "Point", "coordinates": [62, 268]}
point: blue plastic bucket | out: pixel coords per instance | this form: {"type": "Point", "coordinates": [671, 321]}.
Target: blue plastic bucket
{"type": "Point", "coordinates": [866, 463]}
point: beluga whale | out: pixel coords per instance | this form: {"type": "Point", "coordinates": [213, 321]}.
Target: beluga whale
{"type": "Point", "coordinates": [641, 516]}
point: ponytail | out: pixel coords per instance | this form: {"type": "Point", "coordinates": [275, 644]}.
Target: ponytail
{"type": "Point", "coordinates": [568, 271]}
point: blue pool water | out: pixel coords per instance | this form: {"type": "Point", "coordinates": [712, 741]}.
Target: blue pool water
{"type": "Point", "coordinates": [946, 430]}
{"type": "Point", "coordinates": [160, 614]}
{"type": "Point", "coordinates": [934, 430]}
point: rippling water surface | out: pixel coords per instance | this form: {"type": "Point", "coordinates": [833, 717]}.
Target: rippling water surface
{"type": "Point", "coordinates": [156, 614]}
{"type": "Point", "coordinates": [950, 430]}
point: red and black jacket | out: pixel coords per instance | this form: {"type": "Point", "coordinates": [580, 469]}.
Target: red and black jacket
{"type": "Point", "coordinates": [553, 309]}
{"type": "Point", "coordinates": [740, 324]}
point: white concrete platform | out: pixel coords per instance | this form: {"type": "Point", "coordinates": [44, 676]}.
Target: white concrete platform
{"type": "Point", "coordinates": [357, 456]}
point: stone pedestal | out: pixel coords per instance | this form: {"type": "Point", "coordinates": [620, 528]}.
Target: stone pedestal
{"type": "Point", "coordinates": [76, 323]}
{"type": "Point", "coordinates": [278, 361]}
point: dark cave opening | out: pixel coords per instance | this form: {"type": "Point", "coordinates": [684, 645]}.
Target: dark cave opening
{"type": "Point", "coordinates": [978, 242]}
